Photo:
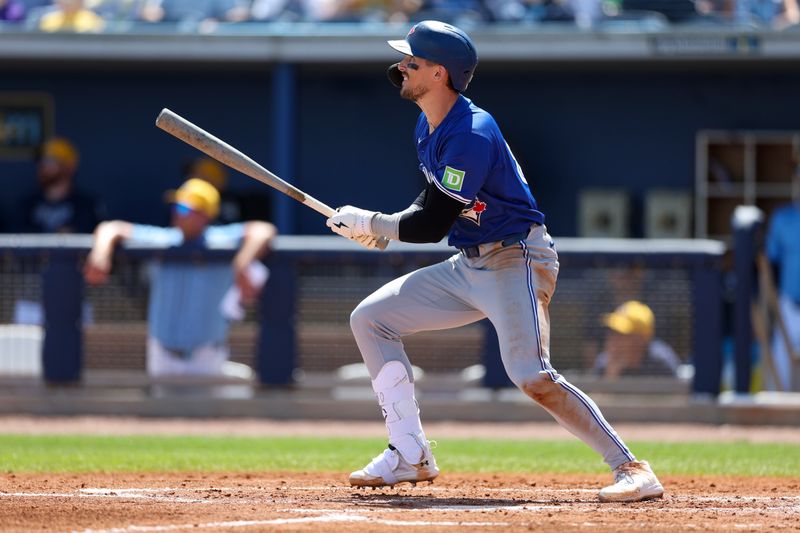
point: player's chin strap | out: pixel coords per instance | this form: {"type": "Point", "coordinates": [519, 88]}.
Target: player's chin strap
{"type": "Point", "coordinates": [394, 75]}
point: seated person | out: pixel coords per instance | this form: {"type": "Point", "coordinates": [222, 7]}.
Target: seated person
{"type": "Point", "coordinates": [194, 10]}
{"type": "Point", "coordinates": [58, 206]}
{"type": "Point", "coordinates": [187, 331]}
{"type": "Point", "coordinates": [12, 11]}
{"type": "Point", "coordinates": [630, 347]}
{"type": "Point", "coordinates": [71, 15]}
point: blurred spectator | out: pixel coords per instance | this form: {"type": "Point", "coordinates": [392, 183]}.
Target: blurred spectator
{"type": "Point", "coordinates": [318, 10]}
{"type": "Point", "coordinates": [272, 10]}
{"type": "Point", "coordinates": [200, 11]}
{"type": "Point", "coordinates": [506, 10]}
{"type": "Point", "coordinates": [187, 320]}
{"type": "Point", "coordinates": [116, 10]}
{"type": "Point", "coordinates": [790, 15]}
{"type": "Point", "coordinates": [234, 207]}
{"type": "Point", "coordinates": [58, 206]}
{"type": "Point", "coordinates": [398, 11]}
{"type": "Point", "coordinates": [31, 5]}
{"type": "Point", "coordinates": [777, 14]}
{"type": "Point", "coordinates": [530, 10]}
{"type": "Point", "coordinates": [12, 11]}
{"type": "Point", "coordinates": [71, 15]}
{"type": "Point", "coordinates": [459, 12]}
{"type": "Point", "coordinates": [675, 11]}
{"type": "Point", "coordinates": [630, 347]}
{"type": "Point", "coordinates": [783, 251]}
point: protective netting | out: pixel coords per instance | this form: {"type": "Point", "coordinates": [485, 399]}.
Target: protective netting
{"type": "Point", "coordinates": [327, 289]}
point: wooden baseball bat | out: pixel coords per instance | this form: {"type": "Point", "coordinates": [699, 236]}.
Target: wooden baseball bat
{"type": "Point", "coordinates": [193, 135]}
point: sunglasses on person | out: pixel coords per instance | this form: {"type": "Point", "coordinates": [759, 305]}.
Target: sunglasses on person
{"type": "Point", "coordinates": [182, 210]}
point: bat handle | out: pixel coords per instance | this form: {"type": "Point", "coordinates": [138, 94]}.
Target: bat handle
{"type": "Point", "coordinates": [383, 242]}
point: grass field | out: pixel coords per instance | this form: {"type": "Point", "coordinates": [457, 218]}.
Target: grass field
{"type": "Point", "coordinates": [85, 453]}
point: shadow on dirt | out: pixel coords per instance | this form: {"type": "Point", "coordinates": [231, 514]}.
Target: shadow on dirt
{"type": "Point", "coordinates": [404, 501]}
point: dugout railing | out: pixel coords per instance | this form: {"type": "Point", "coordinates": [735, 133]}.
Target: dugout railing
{"type": "Point", "coordinates": [301, 321]}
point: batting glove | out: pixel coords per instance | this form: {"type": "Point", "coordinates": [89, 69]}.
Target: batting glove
{"type": "Point", "coordinates": [351, 222]}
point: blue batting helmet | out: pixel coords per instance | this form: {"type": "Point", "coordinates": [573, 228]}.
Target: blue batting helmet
{"type": "Point", "coordinates": [443, 44]}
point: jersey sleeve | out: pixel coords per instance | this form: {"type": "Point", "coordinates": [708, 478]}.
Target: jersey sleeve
{"type": "Point", "coordinates": [464, 165]}
{"type": "Point", "coordinates": [156, 235]}
{"type": "Point", "coordinates": [224, 236]}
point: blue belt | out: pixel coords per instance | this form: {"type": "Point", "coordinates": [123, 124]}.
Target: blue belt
{"type": "Point", "coordinates": [475, 251]}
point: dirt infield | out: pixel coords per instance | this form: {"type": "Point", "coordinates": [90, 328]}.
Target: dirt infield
{"type": "Point", "coordinates": [322, 502]}
{"type": "Point", "coordinates": [121, 503]}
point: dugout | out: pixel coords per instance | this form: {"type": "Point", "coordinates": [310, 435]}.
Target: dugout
{"type": "Point", "coordinates": [582, 110]}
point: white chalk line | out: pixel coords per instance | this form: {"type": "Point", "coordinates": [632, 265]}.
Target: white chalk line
{"type": "Point", "coordinates": [141, 494]}
{"type": "Point", "coordinates": [338, 516]}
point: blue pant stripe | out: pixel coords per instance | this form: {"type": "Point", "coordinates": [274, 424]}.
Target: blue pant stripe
{"type": "Point", "coordinates": [598, 418]}
{"type": "Point", "coordinates": [532, 295]}
{"type": "Point", "coordinates": [566, 385]}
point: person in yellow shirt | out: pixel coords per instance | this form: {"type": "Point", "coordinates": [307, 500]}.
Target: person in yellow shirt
{"type": "Point", "coordinates": [71, 15]}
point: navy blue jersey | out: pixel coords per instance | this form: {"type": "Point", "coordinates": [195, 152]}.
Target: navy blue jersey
{"type": "Point", "coordinates": [79, 212]}
{"type": "Point", "coordinates": [468, 159]}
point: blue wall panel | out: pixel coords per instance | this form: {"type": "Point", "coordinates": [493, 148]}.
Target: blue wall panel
{"type": "Point", "coordinates": [124, 157]}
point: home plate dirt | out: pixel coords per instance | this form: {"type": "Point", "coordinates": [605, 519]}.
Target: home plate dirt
{"type": "Point", "coordinates": [323, 502]}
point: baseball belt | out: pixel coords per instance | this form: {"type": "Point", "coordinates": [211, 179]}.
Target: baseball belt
{"type": "Point", "coordinates": [472, 252]}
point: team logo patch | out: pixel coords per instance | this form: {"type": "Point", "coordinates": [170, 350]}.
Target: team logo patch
{"type": "Point", "coordinates": [453, 179]}
{"type": "Point", "coordinates": [474, 211]}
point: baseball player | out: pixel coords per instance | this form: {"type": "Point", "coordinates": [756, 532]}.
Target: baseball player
{"type": "Point", "coordinates": [505, 269]}
{"type": "Point", "coordinates": [783, 250]}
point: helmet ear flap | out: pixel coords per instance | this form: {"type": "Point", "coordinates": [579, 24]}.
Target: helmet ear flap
{"type": "Point", "coordinates": [394, 75]}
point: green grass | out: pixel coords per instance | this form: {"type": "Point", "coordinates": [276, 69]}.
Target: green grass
{"type": "Point", "coordinates": [57, 453]}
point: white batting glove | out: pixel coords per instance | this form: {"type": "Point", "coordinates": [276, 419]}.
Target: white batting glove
{"type": "Point", "coordinates": [351, 222]}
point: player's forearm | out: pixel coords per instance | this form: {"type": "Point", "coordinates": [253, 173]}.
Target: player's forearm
{"type": "Point", "coordinates": [107, 235]}
{"type": "Point", "coordinates": [257, 241]}
{"type": "Point", "coordinates": [428, 219]}
{"type": "Point", "coordinates": [389, 225]}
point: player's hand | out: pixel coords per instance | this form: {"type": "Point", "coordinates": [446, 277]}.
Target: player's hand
{"type": "Point", "coordinates": [351, 222]}
{"type": "Point", "coordinates": [248, 291]}
{"type": "Point", "coordinates": [370, 242]}
{"type": "Point", "coordinates": [96, 269]}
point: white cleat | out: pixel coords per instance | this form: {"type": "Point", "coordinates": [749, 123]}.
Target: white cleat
{"type": "Point", "coordinates": [633, 481]}
{"type": "Point", "coordinates": [390, 468]}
